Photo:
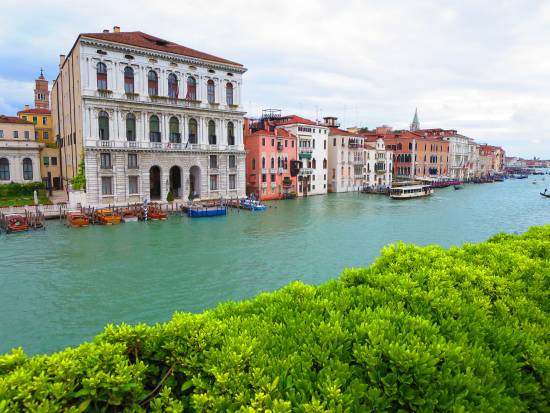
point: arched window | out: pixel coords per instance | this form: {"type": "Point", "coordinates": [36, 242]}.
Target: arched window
{"type": "Point", "coordinates": [253, 164]}
{"type": "Point", "coordinates": [175, 135]}
{"type": "Point", "coordinates": [191, 88]}
{"type": "Point", "coordinates": [4, 169]}
{"type": "Point", "coordinates": [230, 134]}
{"type": "Point", "coordinates": [101, 76]}
{"type": "Point", "coordinates": [154, 129]}
{"type": "Point", "coordinates": [229, 93]}
{"type": "Point", "coordinates": [211, 132]}
{"type": "Point", "coordinates": [103, 123]}
{"type": "Point", "coordinates": [211, 91]}
{"type": "Point", "coordinates": [153, 83]}
{"type": "Point", "coordinates": [173, 86]}
{"type": "Point", "coordinates": [128, 80]}
{"type": "Point", "coordinates": [314, 163]}
{"type": "Point", "coordinates": [272, 162]}
{"type": "Point", "coordinates": [192, 131]}
{"type": "Point", "coordinates": [279, 165]}
{"type": "Point", "coordinates": [263, 163]}
{"type": "Point", "coordinates": [27, 169]}
{"type": "Point", "coordinates": [131, 127]}
{"type": "Point", "coordinates": [324, 164]}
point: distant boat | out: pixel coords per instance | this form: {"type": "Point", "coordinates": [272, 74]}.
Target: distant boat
{"type": "Point", "coordinates": [412, 191]}
{"type": "Point", "coordinates": [546, 195]}
{"type": "Point", "coordinates": [457, 187]}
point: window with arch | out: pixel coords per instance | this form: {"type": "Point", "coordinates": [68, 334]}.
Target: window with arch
{"type": "Point", "coordinates": [230, 133]}
{"type": "Point", "coordinates": [172, 86]}
{"type": "Point", "coordinates": [103, 123]}
{"type": "Point", "coordinates": [4, 169]}
{"type": "Point", "coordinates": [272, 163]}
{"type": "Point", "coordinates": [131, 127]}
{"type": "Point", "coordinates": [211, 132]}
{"type": "Point", "coordinates": [101, 71]}
{"type": "Point", "coordinates": [253, 164]}
{"type": "Point", "coordinates": [175, 135]}
{"type": "Point", "coordinates": [192, 131]}
{"type": "Point", "coordinates": [153, 83]}
{"type": "Point", "coordinates": [229, 93]}
{"type": "Point", "coordinates": [324, 164]}
{"type": "Point", "coordinates": [191, 88]}
{"type": "Point", "coordinates": [128, 80]}
{"type": "Point", "coordinates": [279, 165]}
{"type": "Point", "coordinates": [27, 169]}
{"type": "Point", "coordinates": [154, 129]}
{"type": "Point", "coordinates": [211, 91]}
{"type": "Point", "coordinates": [314, 163]}
{"type": "Point", "coordinates": [263, 163]}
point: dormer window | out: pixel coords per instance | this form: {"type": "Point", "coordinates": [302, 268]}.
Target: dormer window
{"type": "Point", "coordinates": [101, 70]}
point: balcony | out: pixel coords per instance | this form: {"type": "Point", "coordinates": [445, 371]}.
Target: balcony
{"type": "Point", "coordinates": [264, 170]}
{"type": "Point", "coordinates": [141, 145]}
{"type": "Point", "coordinates": [273, 185]}
{"type": "Point", "coordinates": [273, 170]}
{"type": "Point", "coordinates": [105, 143]}
{"type": "Point", "coordinates": [281, 170]}
{"type": "Point", "coordinates": [287, 182]}
{"type": "Point", "coordinates": [264, 185]}
{"type": "Point", "coordinates": [175, 137]}
{"type": "Point", "coordinates": [279, 146]}
{"type": "Point", "coordinates": [132, 96]}
{"type": "Point", "coordinates": [305, 154]}
{"type": "Point", "coordinates": [306, 171]}
{"type": "Point", "coordinates": [154, 136]}
{"type": "Point", "coordinates": [104, 93]}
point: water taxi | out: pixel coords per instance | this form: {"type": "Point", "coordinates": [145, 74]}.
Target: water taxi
{"type": "Point", "coordinates": [252, 204]}
{"type": "Point", "coordinates": [412, 191]}
{"type": "Point", "coordinates": [129, 216]}
{"type": "Point", "coordinates": [156, 213]}
{"type": "Point", "coordinates": [107, 217]}
{"type": "Point", "coordinates": [77, 219]}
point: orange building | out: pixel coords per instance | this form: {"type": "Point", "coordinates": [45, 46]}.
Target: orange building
{"type": "Point", "coordinates": [270, 152]}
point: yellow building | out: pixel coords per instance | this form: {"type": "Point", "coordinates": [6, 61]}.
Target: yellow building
{"type": "Point", "coordinates": [41, 117]}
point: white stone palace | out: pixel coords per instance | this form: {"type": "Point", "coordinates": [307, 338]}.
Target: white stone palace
{"type": "Point", "coordinates": [149, 117]}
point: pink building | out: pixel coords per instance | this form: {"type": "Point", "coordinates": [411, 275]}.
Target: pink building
{"type": "Point", "coordinates": [270, 150]}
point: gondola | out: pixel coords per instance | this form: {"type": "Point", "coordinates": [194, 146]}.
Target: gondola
{"type": "Point", "coordinates": [546, 195]}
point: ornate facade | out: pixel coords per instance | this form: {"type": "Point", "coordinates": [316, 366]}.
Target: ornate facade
{"type": "Point", "coordinates": [150, 118]}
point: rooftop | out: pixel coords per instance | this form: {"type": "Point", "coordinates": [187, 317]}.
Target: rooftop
{"type": "Point", "coordinates": [13, 119]}
{"type": "Point", "coordinates": [35, 111]}
{"type": "Point", "coordinates": [147, 41]}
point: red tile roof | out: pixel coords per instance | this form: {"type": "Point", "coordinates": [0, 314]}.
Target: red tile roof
{"type": "Point", "coordinates": [293, 119]}
{"type": "Point", "coordinates": [13, 119]}
{"type": "Point", "coordinates": [35, 111]}
{"type": "Point", "coordinates": [146, 41]}
{"type": "Point", "coordinates": [342, 132]}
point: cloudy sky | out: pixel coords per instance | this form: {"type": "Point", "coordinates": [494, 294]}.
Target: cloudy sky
{"type": "Point", "coordinates": [481, 67]}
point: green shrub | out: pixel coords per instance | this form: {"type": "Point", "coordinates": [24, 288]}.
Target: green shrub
{"type": "Point", "coordinates": [79, 181]}
{"type": "Point", "coordinates": [18, 189]}
{"type": "Point", "coordinates": [170, 196]}
{"type": "Point", "coordinates": [422, 329]}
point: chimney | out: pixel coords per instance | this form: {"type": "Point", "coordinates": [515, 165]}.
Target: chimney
{"type": "Point", "coordinates": [105, 30]}
{"type": "Point", "coordinates": [61, 60]}
{"type": "Point", "coordinates": [116, 29]}
{"type": "Point", "coordinates": [27, 107]}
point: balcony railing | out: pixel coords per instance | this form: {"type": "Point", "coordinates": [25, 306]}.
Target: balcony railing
{"type": "Point", "coordinates": [273, 170]}
{"type": "Point", "coordinates": [281, 170]}
{"type": "Point", "coordinates": [175, 137]}
{"type": "Point", "coordinates": [104, 93]}
{"type": "Point", "coordinates": [264, 170]}
{"type": "Point", "coordinates": [154, 136]}
{"type": "Point", "coordinates": [139, 145]}
{"type": "Point", "coordinates": [306, 171]}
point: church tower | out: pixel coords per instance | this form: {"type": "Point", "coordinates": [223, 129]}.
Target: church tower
{"type": "Point", "coordinates": [415, 125]}
{"type": "Point", "coordinates": [41, 92]}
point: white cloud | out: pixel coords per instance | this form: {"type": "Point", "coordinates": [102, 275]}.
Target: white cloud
{"type": "Point", "coordinates": [475, 66]}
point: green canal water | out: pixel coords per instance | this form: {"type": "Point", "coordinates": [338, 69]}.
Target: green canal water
{"type": "Point", "coordinates": [61, 286]}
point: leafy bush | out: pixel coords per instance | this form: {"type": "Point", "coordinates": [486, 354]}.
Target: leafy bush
{"type": "Point", "coordinates": [18, 189]}
{"type": "Point", "coordinates": [422, 329]}
{"type": "Point", "coordinates": [170, 196]}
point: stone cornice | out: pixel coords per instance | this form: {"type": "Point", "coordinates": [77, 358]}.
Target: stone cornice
{"type": "Point", "coordinates": [124, 48]}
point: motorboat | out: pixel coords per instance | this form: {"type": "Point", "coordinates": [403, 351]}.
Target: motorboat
{"type": "Point", "coordinates": [252, 204]}
{"type": "Point", "coordinates": [77, 219]}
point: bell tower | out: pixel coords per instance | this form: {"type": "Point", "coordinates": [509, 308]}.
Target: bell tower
{"type": "Point", "coordinates": [41, 92]}
{"type": "Point", "coordinates": [415, 125]}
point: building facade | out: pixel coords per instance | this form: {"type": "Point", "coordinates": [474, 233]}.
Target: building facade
{"type": "Point", "coordinates": [270, 152]}
{"type": "Point", "coordinates": [312, 152]}
{"type": "Point", "coordinates": [149, 117]}
{"type": "Point", "coordinates": [378, 169]}
{"type": "Point", "coordinates": [458, 156]}
{"type": "Point", "coordinates": [41, 117]}
{"type": "Point", "coordinates": [19, 151]}
{"type": "Point", "coordinates": [346, 158]}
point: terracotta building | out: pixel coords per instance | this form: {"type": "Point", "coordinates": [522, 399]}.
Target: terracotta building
{"type": "Point", "coordinates": [270, 152]}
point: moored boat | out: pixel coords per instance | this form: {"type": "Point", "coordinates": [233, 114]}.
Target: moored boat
{"type": "Point", "coordinates": [77, 219]}
{"type": "Point", "coordinates": [252, 204]}
{"type": "Point", "coordinates": [155, 213]}
{"type": "Point", "coordinates": [457, 187]}
{"type": "Point", "coordinates": [412, 191]}
{"type": "Point", "coordinates": [129, 216]}
{"type": "Point", "coordinates": [16, 223]}
{"type": "Point", "coordinates": [107, 217]}
{"type": "Point", "coordinates": [200, 211]}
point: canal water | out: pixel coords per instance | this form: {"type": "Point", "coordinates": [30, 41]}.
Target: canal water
{"type": "Point", "coordinates": [61, 286]}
